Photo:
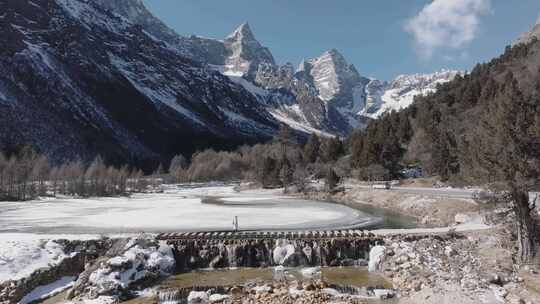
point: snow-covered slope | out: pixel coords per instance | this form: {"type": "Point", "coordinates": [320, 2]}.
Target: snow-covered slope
{"type": "Point", "coordinates": [383, 97]}
{"type": "Point", "coordinates": [331, 75]}
{"type": "Point", "coordinates": [245, 53]}
{"type": "Point", "coordinates": [81, 78]}
{"type": "Point", "coordinates": [528, 36]}
{"type": "Point", "coordinates": [106, 77]}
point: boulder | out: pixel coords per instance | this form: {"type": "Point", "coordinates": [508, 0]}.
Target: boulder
{"type": "Point", "coordinates": [218, 298]}
{"type": "Point", "coordinates": [140, 261]}
{"type": "Point", "coordinates": [384, 293]}
{"type": "Point", "coordinates": [198, 297]}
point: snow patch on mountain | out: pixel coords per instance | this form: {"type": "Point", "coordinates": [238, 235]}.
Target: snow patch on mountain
{"type": "Point", "coordinates": [245, 124]}
{"type": "Point", "coordinates": [332, 75]}
{"type": "Point", "coordinates": [91, 16]}
{"type": "Point", "coordinates": [3, 96]}
{"type": "Point", "coordinates": [257, 91]}
{"type": "Point", "coordinates": [246, 53]}
{"type": "Point", "coordinates": [528, 36]}
{"type": "Point", "coordinates": [160, 94]}
{"type": "Point", "coordinates": [382, 97]}
{"type": "Point", "coordinates": [285, 117]}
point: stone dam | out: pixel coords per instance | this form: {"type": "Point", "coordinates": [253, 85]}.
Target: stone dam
{"type": "Point", "coordinates": [200, 250]}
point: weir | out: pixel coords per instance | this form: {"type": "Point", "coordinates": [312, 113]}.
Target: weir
{"type": "Point", "coordinates": [198, 250]}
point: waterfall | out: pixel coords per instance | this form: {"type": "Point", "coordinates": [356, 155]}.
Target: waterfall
{"type": "Point", "coordinates": [192, 254]}
{"type": "Point", "coordinates": [171, 296]}
{"type": "Point", "coordinates": [231, 255]}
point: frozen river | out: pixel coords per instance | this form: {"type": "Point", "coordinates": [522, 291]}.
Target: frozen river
{"type": "Point", "coordinates": [178, 208]}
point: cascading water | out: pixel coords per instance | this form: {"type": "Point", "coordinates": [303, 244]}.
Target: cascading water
{"type": "Point", "coordinates": [213, 253]}
{"type": "Point", "coordinates": [231, 255]}
{"type": "Point", "coordinates": [171, 296]}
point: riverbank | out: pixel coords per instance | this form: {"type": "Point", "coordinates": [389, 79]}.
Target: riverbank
{"type": "Point", "coordinates": [428, 210]}
{"type": "Point", "coordinates": [461, 253]}
{"type": "Point", "coordinates": [469, 262]}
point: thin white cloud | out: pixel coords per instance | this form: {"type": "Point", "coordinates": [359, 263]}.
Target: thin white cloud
{"type": "Point", "coordinates": [444, 24]}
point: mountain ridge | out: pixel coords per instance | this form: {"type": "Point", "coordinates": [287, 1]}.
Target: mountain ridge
{"type": "Point", "coordinates": [83, 78]}
{"type": "Point", "coordinates": [347, 103]}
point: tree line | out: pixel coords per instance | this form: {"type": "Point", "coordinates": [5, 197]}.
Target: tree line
{"type": "Point", "coordinates": [481, 128]}
{"type": "Point", "coordinates": [283, 162]}
{"type": "Point", "coordinates": [27, 175]}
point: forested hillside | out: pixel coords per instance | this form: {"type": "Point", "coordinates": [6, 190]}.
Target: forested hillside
{"type": "Point", "coordinates": [470, 130]}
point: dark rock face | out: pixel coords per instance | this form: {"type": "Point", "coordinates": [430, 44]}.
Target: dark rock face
{"type": "Point", "coordinates": [82, 78]}
{"type": "Point", "coordinates": [78, 80]}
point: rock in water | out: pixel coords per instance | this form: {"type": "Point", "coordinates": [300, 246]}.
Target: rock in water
{"type": "Point", "coordinates": [198, 297]}
{"type": "Point", "coordinates": [218, 298]}
{"type": "Point", "coordinates": [376, 258]}
{"type": "Point", "coordinates": [383, 293]}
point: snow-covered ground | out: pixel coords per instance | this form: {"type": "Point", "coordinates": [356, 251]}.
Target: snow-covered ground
{"type": "Point", "coordinates": [23, 253]}
{"type": "Point", "coordinates": [177, 209]}
{"type": "Point", "coordinates": [49, 290]}
{"type": "Point", "coordinates": [28, 229]}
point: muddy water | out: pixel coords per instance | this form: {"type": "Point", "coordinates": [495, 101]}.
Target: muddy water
{"type": "Point", "coordinates": [347, 280]}
{"type": "Point", "coordinates": [342, 276]}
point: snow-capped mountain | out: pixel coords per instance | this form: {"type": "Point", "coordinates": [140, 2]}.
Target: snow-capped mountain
{"type": "Point", "coordinates": [80, 78]}
{"type": "Point", "coordinates": [87, 77]}
{"type": "Point", "coordinates": [245, 53]}
{"type": "Point", "coordinates": [528, 36]}
{"type": "Point", "coordinates": [333, 77]}
{"type": "Point", "coordinates": [383, 97]}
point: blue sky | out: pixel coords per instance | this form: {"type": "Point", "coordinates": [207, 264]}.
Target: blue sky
{"type": "Point", "coordinates": [381, 38]}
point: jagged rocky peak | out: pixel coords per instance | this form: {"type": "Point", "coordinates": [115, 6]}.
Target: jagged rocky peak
{"type": "Point", "coordinates": [130, 12]}
{"type": "Point", "coordinates": [242, 32]}
{"type": "Point", "coordinates": [74, 105]}
{"type": "Point", "coordinates": [528, 36]}
{"type": "Point", "coordinates": [423, 80]}
{"type": "Point", "coordinates": [245, 53]}
{"type": "Point", "coordinates": [331, 74]}
{"type": "Point", "coordinates": [382, 97]}
{"type": "Point", "coordinates": [136, 12]}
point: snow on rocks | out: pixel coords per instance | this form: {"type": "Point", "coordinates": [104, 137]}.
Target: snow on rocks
{"type": "Point", "coordinates": [198, 297]}
{"type": "Point", "coordinates": [383, 293]}
{"type": "Point", "coordinates": [139, 261]}
{"type": "Point", "coordinates": [283, 251]}
{"type": "Point", "coordinates": [37, 267]}
{"type": "Point", "coordinates": [376, 258]}
{"type": "Point", "coordinates": [218, 298]}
